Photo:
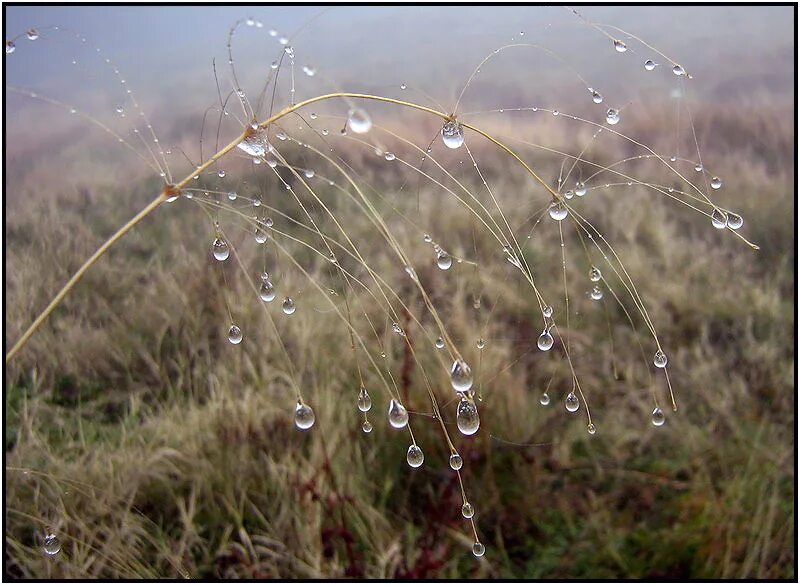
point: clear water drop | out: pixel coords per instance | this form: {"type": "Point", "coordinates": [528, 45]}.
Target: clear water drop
{"type": "Point", "coordinates": [461, 376]}
{"type": "Point", "coordinates": [558, 211]}
{"type": "Point", "coordinates": [544, 400]}
{"type": "Point", "coordinates": [364, 400]}
{"type": "Point", "coordinates": [221, 174]}
{"type": "Point", "coordinates": [309, 173]}
{"type": "Point", "coordinates": [698, 167]}
{"type": "Point", "coordinates": [452, 134]}
{"type": "Point", "coordinates": [591, 429]}
{"type": "Point", "coordinates": [649, 65]}
{"type": "Point", "coordinates": [596, 293]}
{"type": "Point", "coordinates": [660, 359]}
{"type": "Point", "coordinates": [572, 403]}
{"type": "Point", "coordinates": [403, 86]}
{"type": "Point", "coordinates": [657, 417]}
{"type": "Point", "coordinates": [719, 219]}
{"type": "Point", "coordinates": [33, 34]}
{"type": "Point", "coordinates": [594, 274]}
{"type": "Point", "coordinates": [390, 156]}
{"type": "Point", "coordinates": [10, 47]}
{"type": "Point", "coordinates": [366, 426]}
{"type": "Point", "coordinates": [119, 110]}
{"type": "Point", "coordinates": [443, 260]}
{"type": "Point", "coordinates": [288, 306]}
{"type": "Point", "coordinates": [398, 415]}
{"type": "Point", "coordinates": [51, 545]}
{"type": "Point", "coordinates": [547, 312]}
{"type": "Point", "coordinates": [580, 189]}
{"type": "Point", "coordinates": [456, 462]}
{"type": "Point", "coordinates": [620, 46]}
{"type": "Point", "coordinates": [678, 70]}
{"type": "Point", "coordinates": [481, 343]}
{"type": "Point", "coordinates": [467, 417]}
{"type": "Point", "coordinates": [359, 121]}
{"type": "Point", "coordinates": [569, 194]}
{"type": "Point", "coordinates": [235, 335]}
{"type": "Point", "coordinates": [220, 249]}
{"type": "Point", "coordinates": [439, 343]}
{"type": "Point", "coordinates": [397, 329]}
{"type": "Point", "coordinates": [267, 292]}
{"type": "Point", "coordinates": [716, 183]}
{"type": "Point", "coordinates": [597, 97]}
{"type": "Point", "coordinates": [427, 238]}
{"type": "Point", "coordinates": [478, 549]}
{"type": "Point", "coordinates": [303, 416]}
{"type": "Point", "coordinates": [545, 341]}
{"type": "Point", "coordinates": [612, 117]}
{"type": "Point", "coordinates": [415, 457]}
{"type": "Point", "coordinates": [467, 511]}
{"type": "Point", "coordinates": [232, 195]}
{"type": "Point", "coordinates": [735, 221]}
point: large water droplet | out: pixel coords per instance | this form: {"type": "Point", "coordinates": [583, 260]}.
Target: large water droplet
{"type": "Point", "coordinates": [461, 376]}
{"type": "Point", "coordinates": [580, 189]}
{"type": "Point", "coordinates": [597, 97]}
{"type": "Point", "coordinates": [366, 426]}
{"type": "Point", "coordinates": [456, 462]}
{"type": "Point", "coordinates": [256, 145]}
{"type": "Point", "coordinates": [649, 65]}
{"type": "Point", "coordinates": [452, 134]}
{"type": "Point", "coordinates": [51, 544]}
{"type": "Point", "coordinates": [415, 456]}
{"type": "Point", "coordinates": [591, 429]}
{"type": "Point", "coordinates": [260, 235]}
{"type": "Point", "coordinates": [612, 117]}
{"type": "Point", "coordinates": [478, 549]}
{"type": "Point", "coordinates": [545, 341]}
{"type": "Point", "coordinates": [547, 311]}
{"type": "Point", "coordinates": [32, 34]}
{"type": "Point", "coordinates": [678, 70]}
{"type": "Point", "coordinates": [716, 183]}
{"type": "Point", "coordinates": [439, 343]}
{"type": "Point", "coordinates": [267, 291]}
{"type": "Point", "coordinates": [572, 403]}
{"type": "Point", "coordinates": [359, 121]}
{"type": "Point", "coordinates": [594, 274]}
{"type": "Point", "coordinates": [288, 305]}
{"type": "Point", "coordinates": [364, 400]}
{"type": "Point", "coordinates": [719, 219]}
{"type": "Point", "coordinates": [398, 415]}
{"type": "Point", "coordinates": [660, 359]}
{"type": "Point", "coordinates": [658, 418]}
{"type": "Point", "coordinates": [596, 293]}
{"type": "Point", "coordinates": [467, 417]}
{"type": "Point", "coordinates": [620, 46]}
{"type": "Point", "coordinates": [235, 335]}
{"type": "Point", "coordinates": [303, 416]}
{"type": "Point", "coordinates": [558, 211]}
{"type": "Point", "coordinates": [735, 221]}
{"type": "Point", "coordinates": [467, 511]}
{"type": "Point", "coordinates": [10, 47]}
{"type": "Point", "coordinates": [443, 260]}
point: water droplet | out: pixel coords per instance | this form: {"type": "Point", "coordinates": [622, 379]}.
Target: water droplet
{"type": "Point", "coordinates": [478, 549]}
{"type": "Point", "coordinates": [658, 418]}
{"type": "Point", "coordinates": [660, 359]}
{"type": "Point", "coordinates": [649, 65]}
{"type": "Point", "coordinates": [456, 462]}
{"type": "Point", "coordinates": [221, 174]}
{"type": "Point", "coordinates": [235, 335]}
{"type": "Point", "coordinates": [390, 156]}
{"type": "Point", "coordinates": [427, 238]}
{"type": "Point", "coordinates": [612, 117]}
{"type": "Point", "coordinates": [620, 46]}
{"type": "Point", "coordinates": [439, 343]}
{"type": "Point", "coordinates": [719, 219]}
{"type": "Point", "coordinates": [415, 456]}
{"type": "Point", "coordinates": [220, 249]}
{"type": "Point", "coordinates": [545, 341]}
{"type": "Point", "coordinates": [310, 71]}
{"type": "Point", "coordinates": [591, 429]}
{"type": "Point", "coordinates": [281, 135]}
{"type": "Point", "coordinates": [544, 400]}
{"type": "Point", "coordinates": [267, 292]}
{"type": "Point", "coordinates": [558, 211]}
{"type": "Point", "coordinates": [572, 403]}
{"type": "Point", "coordinates": [10, 47]}
{"type": "Point", "coordinates": [119, 109]}
{"type": "Point", "coordinates": [461, 376]}
{"type": "Point", "coordinates": [51, 545]}
{"type": "Point", "coordinates": [594, 274]}
{"type": "Point", "coordinates": [467, 416]}
{"type": "Point", "coordinates": [268, 222]}
{"type": "Point", "coordinates": [678, 70]}
{"type": "Point", "coordinates": [364, 400]}
{"type": "Point", "coordinates": [288, 306]}
{"type": "Point", "coordinates": [716, 183]}
{"type": "Point", "coordinates": [597, 97]}
{"type": "Point", "coordinates": [397, 329]}
{"type": "Point", "coordinates": [274, 65]}
{"type": "Point", "coordinates": [452, 134]}
{"type": "Point", "coordinates": [303, 416]}
{"type": "Point", "coordinates": [309, 174]}
{"type": "Point", "coordinates": [596, 293]}
{"type": "Point", "coordinates": [256, 145]}
{"type": "Point", "coordinates": [232, 195]}
{"type": "Point", "coordinates": [580, 189]}
{"type": "Point", "coordinates": [443, 260]}
{"type": "Point", "coordinates": [547, 312]}
{"type": "Point", "coordinates": [467, 511]}
{"type": "Point", "coordinates": [359, 121]}
{"type": "Point", "coordinates": [481, 343]}
{"type": "Point", "coordinates": [366, 426]}
{"type": "Point", "coordinates": [313, 115]}
{"type": "Point", "coordinates": [33, 34]}
{"type": "Point", "coordinates": [735, 221]}
{"type": "Point", "coordinates": [398, 415]}
{"type": "Point", "coordinates": [569, 194]}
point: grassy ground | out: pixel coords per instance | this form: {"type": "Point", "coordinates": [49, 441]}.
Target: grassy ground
{"type": "Point", "coordinates": [156, 449]}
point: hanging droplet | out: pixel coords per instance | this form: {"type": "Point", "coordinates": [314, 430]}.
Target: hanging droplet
{"type": "Point", "coordinates": [303, 416]}
{"type": "Point", "coordinates": [580, 189]}
{"type": "Point", "coordinates": [544, 400]}
{"type": "Point", "coordinates": [288, 306]}
{"type": "Point", "coordinates": [558, 211]}
{"type": "Point", "coordinates": [415, 456]}
{"type": "Point", "coordinates": [220, 249]}
{"type": "Point", "coordinates": [439, 343]}
{"type": "Point", "coordinates": [660, 359]}
{"type": "Point", "coordinates": [390, 156]}
{"type": "Point", "coordinates": [359, 121]}
{"type": "Point", "coordinates": [478, 549]}
{"type": "Point", "coordinates": [572, 403]}
{"type": "Point", "coordinates": [309, 173]}
{"type": "Point", "coordinates": [364, 400]}
{"type": "Point", "coordinates": [481, 343]}
{"type": "Point", "coordinates": [10, 47]}
{"type": "Point", "coordinates": [594, 274]}
{"type": "Point", "coordinates": [716, 183]}
{"type": "Point", "coordinates": [310, 71]}
{"type": "Point", "coordinates": [235, 335]}
{"type": "Point", "coordinates": [467, 511]}
{"type": "Point", "coordinates": [569, 194]}
{"type": "Point", "coordinates": [591, 429]}
{"type": "Point", "coordinates": [649, 65]}
{"type": "Point", "coordinates": [267, 292]}
{"type": "Point", "coordinates": [427, 238]}
{"type": "Point", "coordinates": [698, 167]}
{"type": "Point", "coordinates": [119, 110]}
{"type": "Point", "coordinates": [719, 219]}
{"type": "Point", "coordinates": [461, 376]}
{"type": "Point", "coordinates": [443, 260]}
{"type": "Point", "coordinates": [467, 416]}
{"type": "Point", "coordinates": [735, 221]}
{"type": "Point", "coordinates": [678, 70]}
{"type": "Point", "coordinates": [547, 312]}
{"type": "Point", "coordinates": [32, 34]}
{"type": "Point", "coordinates": [366, 426]}
{"type": "Point", "coordinates": [596, 293]}
{"type": "Point", "coordinates": [260, 235]}
{"type": "Point", "coordinates": [221, 174]}
{"type": "Point", "coordinates": [398, 415]}
{"type": "Point", "coordinates": [281, 135]}
{"type": "Point", "coordinates": [545, 341]}
{"type": "Point", "coordinates": [51, 544]}
{"type": "Point", "coordinates": [403, 86]}
{"type": "Point", "coordinates": [452, 134]}
{"type": "Point", "coordinates": [456, 462]}
{"type": "Point", "coordinates": [658, 418]}
{"type": "Point", "coordinates": [620, 46]}
{"type": "Point", "coordinates": [597, 97]}
{"type": "Point", "coordinates": [612, 117]}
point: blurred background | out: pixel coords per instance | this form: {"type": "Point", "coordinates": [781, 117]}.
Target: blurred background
{"type": "Point", "coordinates": [153, 448]}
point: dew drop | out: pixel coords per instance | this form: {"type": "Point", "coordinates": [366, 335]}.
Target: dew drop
{"type": "Point", "coordinates": [660, 359]}
{"type": "Point", "coordinates": [10, 47]}
{"type": "Point", "coordinates": [678, 70]}
{"type": "Point", "coordinates": [220, 249]}
{"type": "Point", "coordinates": [544, 400]}
{"type": "Point", "coordinates": [221, 174]}
{"type": "Point", "coordinates": [415, 456]}
{"type": "Point", "coordinates": [620, 46]}
{"type": "Point", "coordinates": [719, 219]}
{"type": "Point", "coordinates": [591, 429]}
{"type": "Point", "coordinates": [364, 400]}
{"type": "Point", "coordinates": [596, 293]}
{"type": "Point", "coordinates": [310, 71]}
{"type": "Point", "coordinates": [545, 341]}
{"type": "Point", "coordinates": [51, 545]}
{"type": "Point", "coordinates": [398, 415]}
{"type": "Point", "coordinates": [481, 343]}
{"type": "Point", "coordinates": [288, 306]}
{"type": "Point", "coordinates": [572, 403]}
{"type": "Point", "coordinates": [580, 189]}
{"type": "Point", "coordinates": [439, 343]}
{"type": "Point", "coordinates": [390, 156]}
{"type": "Point", "coordinates": [594, 274]}
{"type": "Point", "coordinates": [267, 292]}
{"type": "Point", "coordinates": [274, 65]}
{"type": "Point", "coordinates": [461, 376]}
{"type": "Point", "coordinates": [119, 110]}
{"type": "Point", "coordinates": [456, 462]}
{"type": "Point", "coordinates": [558, 211]}
{"type": "Point", "coordinates": [366, 426]}
{"type": "Point", "coordinates": [597, 97]}
{"type": "Point", "coordinates": [478, 549]}
{"type": "Point", "coordinates": [33, 34]}
{"type": "Point", "coordinates": [612, 117]}
{"type": "Point", "coordinates": [547, 312]}
{"type": "Point", "coordinates": [658, 418]}
{"type": "Point", "coordinates": [397, 329]}
{"type": "Point", "coordinates": [443, 260]}
{"type": "Point", "coordinates": [452, 134]}
{"type": "Point", "coordinates": [467, 511]}
{"type": "Point", "coordinates": [716, 183]}
{"type": "Point", "coordinates": [303, 416]}
{"type": "Point", "coordinates": [649, 65]}
{"type": "Point", "coordinates": [359, 121]}
{"type": "Point", "coordinates": [309, 174]}
{"type": "Point", "coordinates": [403, 86]}
{"type": "Point", "coordinates": [232, 195]}
{"type": "Point", "coordinates": [569, 194]}
{"type": "Point", "coordinates": [467, 416]}
{"type": "Point", "coordinates": [235, 335]}
{"type": "Point", "coordinates": [427, 238]}
{"type": "Point", "coordinates": [735, 221]}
